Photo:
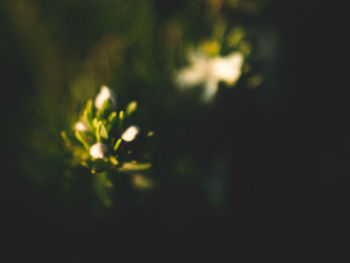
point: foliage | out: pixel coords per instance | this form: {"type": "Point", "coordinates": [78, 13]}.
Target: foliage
{"type": "Point", "coordinates": [102, 141]}
{"type": "Point", "coordinates": [138, 47]}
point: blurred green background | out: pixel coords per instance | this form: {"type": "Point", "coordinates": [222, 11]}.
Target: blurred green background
{"type": "Point", "coordinates": [259, 173]}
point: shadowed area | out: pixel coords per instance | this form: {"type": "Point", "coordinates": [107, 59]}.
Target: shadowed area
{"type": "Point", "coordinates": [260, 173]}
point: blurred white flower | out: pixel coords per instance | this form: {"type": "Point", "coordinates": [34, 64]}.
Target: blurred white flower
{"type": "Point", "coordinates": [105, 94]}
{"type": "Point", "coordinates": [130, 133]}
{"type": "Point", "coordinates": [209, 71]}
{"type": "Point", "coordinates": [81, 126]}
{"type": "Point", "coordinates": [98, 150]}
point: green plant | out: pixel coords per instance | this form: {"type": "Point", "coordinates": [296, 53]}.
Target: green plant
{"type": "Point", "coordinates": [102, 139]}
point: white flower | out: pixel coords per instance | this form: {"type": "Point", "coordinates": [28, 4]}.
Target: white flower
{"type": "Point", "coordinates": [81, 126]}
{"type": "Point", "coordinates": [130, 133]}
{"type": "Point", "coordinates": [210, 71]}
{"type": "Point", "coordinates": [98, 150]}
{"type": "Point", "coordinates": [227, 69]}
{"type": "Point", "coordinates": [105, 94]}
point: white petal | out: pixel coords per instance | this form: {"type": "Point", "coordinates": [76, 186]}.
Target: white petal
{"type": "Point", "coordinates": [98, 150]}
{"type": "Point", "coordinates": [227, 69]}
{"type": "Point", "coordinates": [130, 134]}
{"type": "Point", "coordinates": [210, 88]}
{"type": "Point", "coordinates": [194, 74]}
{"type": "Point", "coordinates": [191, 76]}
{"type": "Point", "coordinates": [105, 94]}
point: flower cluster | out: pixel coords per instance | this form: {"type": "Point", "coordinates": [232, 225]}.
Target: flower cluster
{"type": "Point", "coordinates": [102, 137]}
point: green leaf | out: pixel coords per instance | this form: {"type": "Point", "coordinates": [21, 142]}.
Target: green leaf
{"type": "Point", "coordinates": [112, 117]}
{"type": "Point", "coordinates": [131, 108]}
{"type": "Point", "coordinates": [81, 139]}
{"type": "Point", "coordinates": [117, 144]}
{"type": "Point", "coordinates": [104, 187]}
{"type": "Point", "coordinates": [106, 107]}
{"type": "Point", "coordinates": [88, 112]}
{"type": "Point", "coordinates": [95, 123]}
{"type": "Point", "coordinates": [121, 119]}
{"type": "Point", "coordinates": [113, 160]}
{"type": "Point", "coordinates": [133, 167]}
{"type": "Point", "coordinates": [142, 182]}
{"type": "Point", "coordinates": [98, 131]}
{"type": "Point", "coordinates": [65, 138]}
{"type": "Point", "coordinates": [103, 131]}
{"type": "Point", "coordinates": [235, 37]}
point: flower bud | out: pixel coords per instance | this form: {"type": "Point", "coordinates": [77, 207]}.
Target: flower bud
{"type": "Point", "coordinates": [105, 94]}
{"type": "Point", "coordinates": [98, 150]}
{"type": "Point", "coordinates": [81, 126]}
{"type": "Point", "coordinates": [130, 133]}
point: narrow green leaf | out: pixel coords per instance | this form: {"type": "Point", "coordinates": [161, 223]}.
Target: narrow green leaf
{"type": "Point", "coordinates": [113, 160]}
{"type": "Point", "coordinates": [81, 139]}
{"type": "Point", "coordinates": [130, 167]}
{"type": "Point", "coordinates": [98, 131]}
{"type": "Point", "coordinates": [65, 138]}
{"type": "Point", "coordinates": [117, 144]}
{"type": "Point", "coordinates": [131, 108]}
{"type": "Point", "coordinates": [88, 112]}
{"type": "Point", "coordinates": [121, 119]}
{"type": "Point", "coordinates": [112, 117]}
{"type": "Point", "coordinates": [95, 123]}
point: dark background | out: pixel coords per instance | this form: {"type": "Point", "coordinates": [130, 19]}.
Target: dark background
{"type": "Point", "coordinates": [289, 185]}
